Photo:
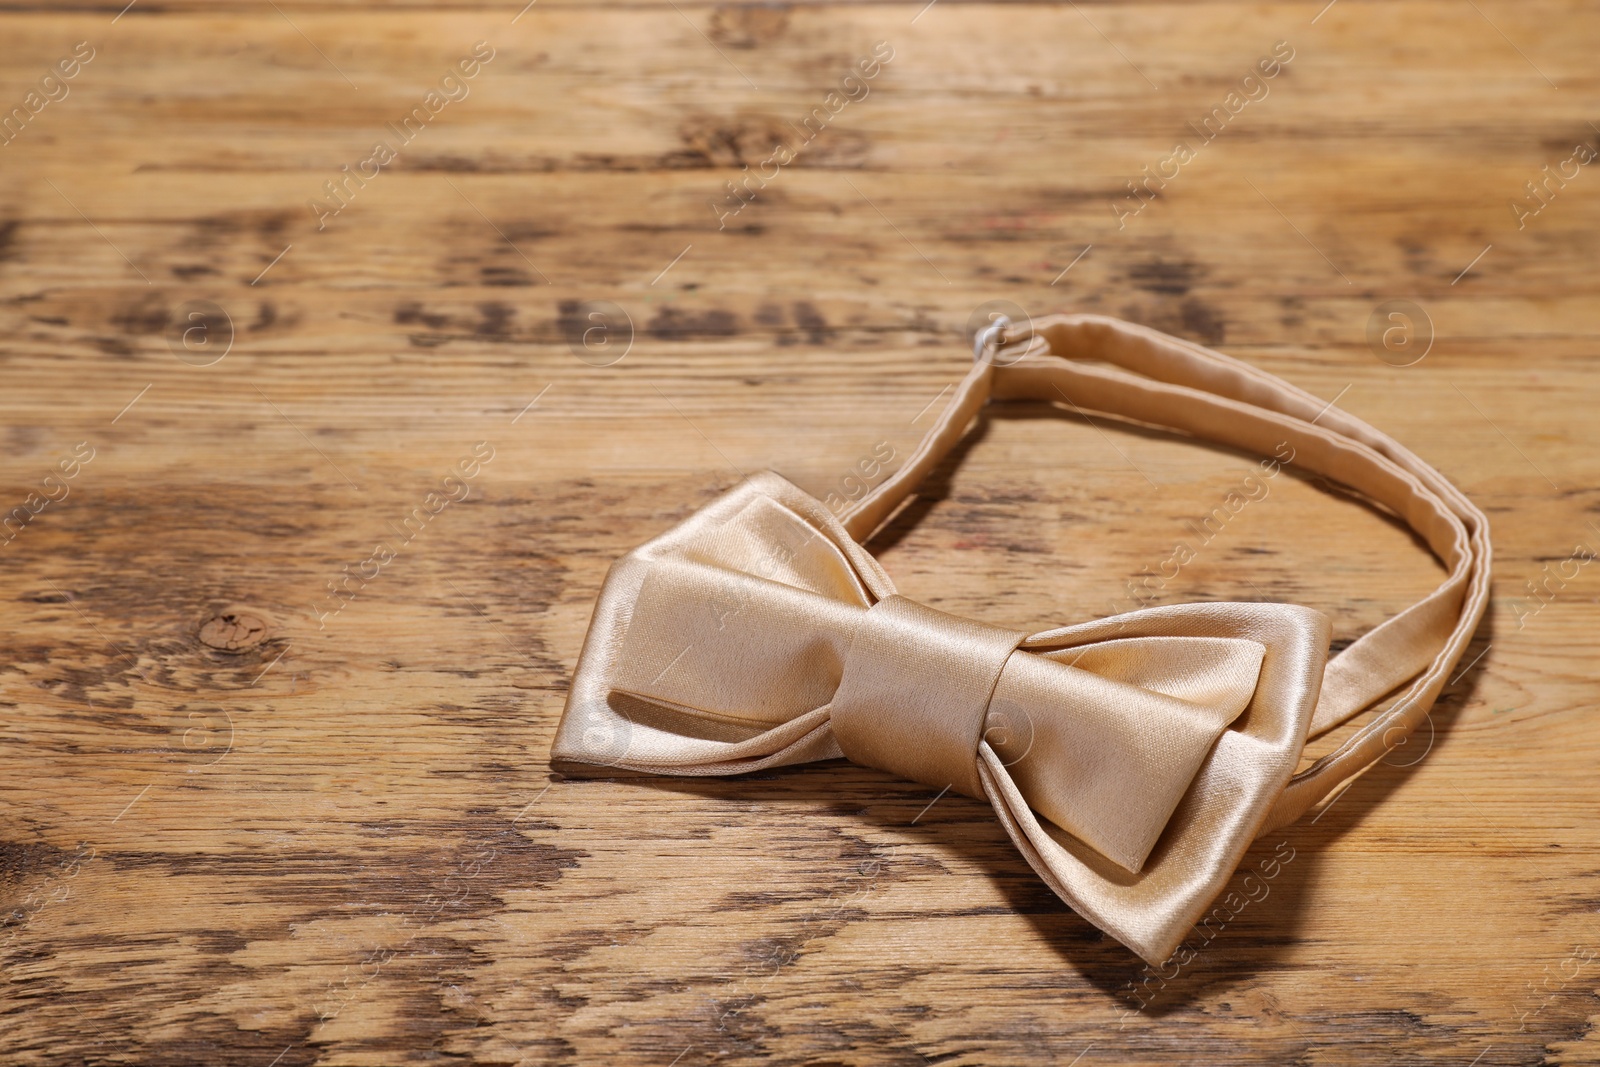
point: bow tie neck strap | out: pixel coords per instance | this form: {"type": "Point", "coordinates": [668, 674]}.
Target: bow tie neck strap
{"type": "Point", "coordinates": [1110, 367]}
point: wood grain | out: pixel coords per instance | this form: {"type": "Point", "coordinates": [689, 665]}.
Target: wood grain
{"type": "Point", "coordinates": [243, 827]}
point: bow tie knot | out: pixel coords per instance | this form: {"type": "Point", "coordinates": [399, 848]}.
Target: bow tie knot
{"type": "Point", "coordinates": [914, 696]}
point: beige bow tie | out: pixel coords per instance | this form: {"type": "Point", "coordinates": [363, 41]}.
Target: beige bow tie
{"type": "Point", "coordinates": [1132, 759]}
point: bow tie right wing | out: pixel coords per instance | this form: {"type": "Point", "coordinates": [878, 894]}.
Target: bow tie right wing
{"type": "Point", "coordinates": [1105, 740]}
{"type": "Point", "coordinates": [1225, 805]}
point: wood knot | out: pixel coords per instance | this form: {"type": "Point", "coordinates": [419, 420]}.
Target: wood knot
{"type": "Point", "coordinates": [233, 631]}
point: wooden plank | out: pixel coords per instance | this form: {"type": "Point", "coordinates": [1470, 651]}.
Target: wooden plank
{"type": "Point", "coordinates": [245, 827]}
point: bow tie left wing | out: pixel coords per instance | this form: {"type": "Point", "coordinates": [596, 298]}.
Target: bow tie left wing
{"type": "Point", "coordinates": [714, 648]}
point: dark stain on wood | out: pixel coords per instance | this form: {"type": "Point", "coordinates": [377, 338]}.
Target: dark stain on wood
{"type": "Point", "coordinates": [233, 631]}
{"type": "Point", "coordinates": [145, 316]}
{"type": "Point", "coordinates": [1167, 277]}
{"type": "Point", "coordinates": [683, 324]}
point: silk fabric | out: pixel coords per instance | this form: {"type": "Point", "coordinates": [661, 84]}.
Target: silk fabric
{"type": "Point", "coordinates": [1132, 759]}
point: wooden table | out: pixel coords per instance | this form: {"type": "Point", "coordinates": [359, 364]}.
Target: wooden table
{"type": "Point", "coordinates": [269, 798]}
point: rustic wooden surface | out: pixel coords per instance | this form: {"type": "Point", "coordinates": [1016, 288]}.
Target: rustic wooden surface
{"type": "Point", "coordinates": [242, 828]}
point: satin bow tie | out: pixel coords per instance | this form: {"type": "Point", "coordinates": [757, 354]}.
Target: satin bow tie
{"type": "Point", "coordinates": [1131, 759]}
